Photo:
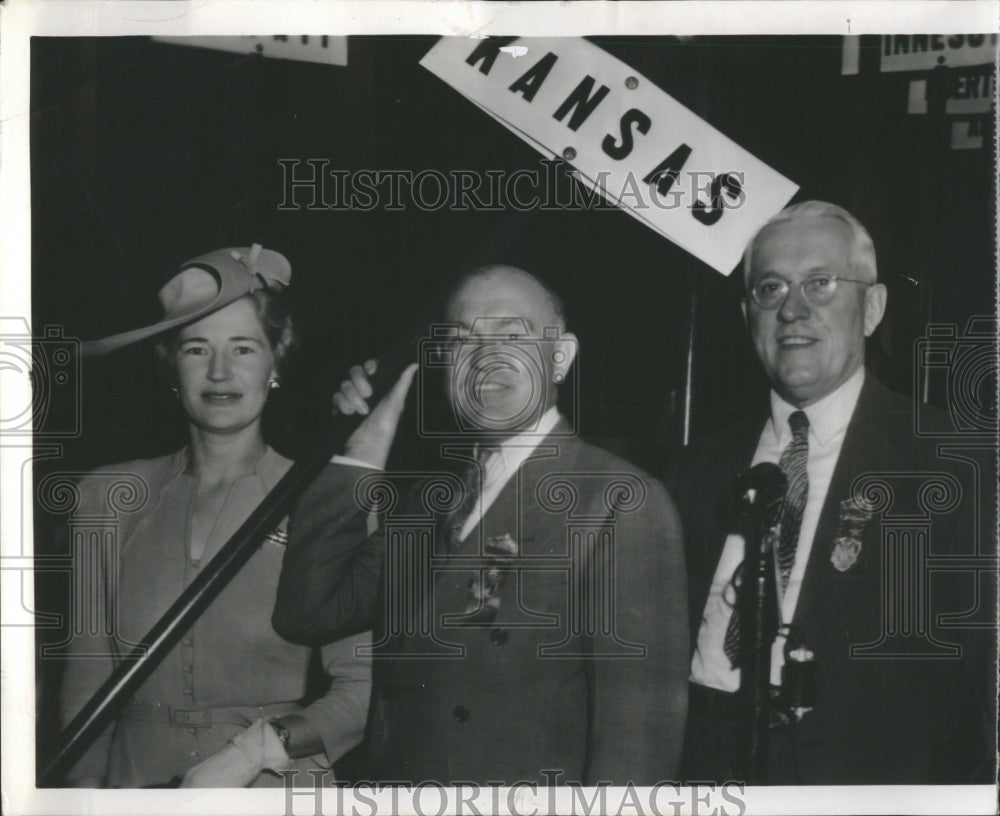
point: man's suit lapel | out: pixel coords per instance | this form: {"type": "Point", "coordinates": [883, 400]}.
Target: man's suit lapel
{"type": "Point", "coordinates": [516, 510]}
{"type": "Point", "coordinates": [862, 441]}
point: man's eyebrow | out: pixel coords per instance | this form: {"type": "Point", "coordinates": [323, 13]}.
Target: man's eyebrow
{"type": "Point", "coordinates": [513, 321]}
{"type": "Point", "coordinates": [493, 325]}
{"type": "Point", "coordinates": [812, 270]}
{"type": "Point", "coordinates": [239, 338]}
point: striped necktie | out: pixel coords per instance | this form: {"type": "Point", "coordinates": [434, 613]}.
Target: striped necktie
{"type": "Point", "coordinates": [473, 482]}
{"type": "Point", "coordinates": [793, 463]}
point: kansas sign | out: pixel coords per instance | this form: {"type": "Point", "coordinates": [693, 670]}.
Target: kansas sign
{"type": "Point", "coordinates": [625, 137]}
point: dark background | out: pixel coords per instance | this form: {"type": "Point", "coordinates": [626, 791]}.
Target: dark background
{"type": "Point", "coordinates": [146, 154]}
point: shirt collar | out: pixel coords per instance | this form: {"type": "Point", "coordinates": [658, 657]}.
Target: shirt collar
{"type": "Point", "coordinates": [516, 450]}
{"type": "Point", "coordinates": [827, 417]}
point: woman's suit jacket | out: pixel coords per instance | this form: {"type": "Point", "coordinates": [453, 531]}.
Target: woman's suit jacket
{"type": "Point", "coordinates": [132, 561]}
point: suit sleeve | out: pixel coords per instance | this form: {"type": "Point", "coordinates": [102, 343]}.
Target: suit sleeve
{"type": "Point", "coordinates": [339, 715]}
{"type": "Point", "coordinates": [640, 703]}
{"type": "Point", "coordinates": [332, 569]}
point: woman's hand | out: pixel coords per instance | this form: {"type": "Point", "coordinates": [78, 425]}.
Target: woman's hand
{"type": "Point", "coordinates": [238, 764]}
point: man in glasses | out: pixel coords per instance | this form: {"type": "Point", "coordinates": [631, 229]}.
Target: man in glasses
{"type": "Point", "coordinates": [881, 710]}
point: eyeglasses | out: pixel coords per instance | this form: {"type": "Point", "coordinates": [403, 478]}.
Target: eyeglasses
{"type": "Point", "coordinates": [770, 291]}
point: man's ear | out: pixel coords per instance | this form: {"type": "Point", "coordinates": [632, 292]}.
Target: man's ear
{"type": "Point", "coordinates": [875, 299]}
{"type": "Point", "coordinates": [564, 353]}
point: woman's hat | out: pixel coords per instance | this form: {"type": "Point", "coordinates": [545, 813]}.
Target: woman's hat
{"type": "Point", "coordinates": [204, 285]}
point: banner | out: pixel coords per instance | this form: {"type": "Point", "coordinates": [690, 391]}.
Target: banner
{"type": "Point", "coordinates": [966, 134]}
{"type": "Point", "coordinates": [303, 47]}
{"type": "Point", "coordinates": [921, 52]}
{"type": "Point", "coordinates": [969, 90]}
{"type": "Point", "coordinates": [627, 139]}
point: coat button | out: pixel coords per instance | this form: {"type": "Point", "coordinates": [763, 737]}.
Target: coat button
{"type": "Point", "coordinates": [499, 637]}
{"type": "Point", "coordinates": [461, 713]}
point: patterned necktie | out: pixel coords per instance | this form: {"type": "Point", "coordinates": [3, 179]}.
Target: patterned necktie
{"type": "Point", "coordinates": [793, 463]}
{"type": "Point", "coordinates": [473, 481]}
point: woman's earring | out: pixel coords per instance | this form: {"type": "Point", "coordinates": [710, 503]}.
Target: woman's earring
{"type": "Point", "coordinates": [177, 391]}
{"type": "Point", "coordinates": [273, 383]}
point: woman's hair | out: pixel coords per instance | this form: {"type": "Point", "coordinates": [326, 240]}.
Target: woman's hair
{"type": "Point", "coordinates": [274, 312]}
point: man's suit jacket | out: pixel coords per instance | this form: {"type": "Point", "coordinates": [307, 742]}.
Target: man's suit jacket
{"type": "Point", "coordinates": [583, 672]}
{"type": "Point", "coordinates": [888, 709]}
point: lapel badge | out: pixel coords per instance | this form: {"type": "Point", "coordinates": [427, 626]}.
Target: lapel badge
{"type": "Point", "coordinates": [504, 546]}
{"type": "Point", "coordinates": [851, 521]}
{"type": "Point", "coordinates": [845, 553]}
{"type": "Point", "coordinates": [484, 585]}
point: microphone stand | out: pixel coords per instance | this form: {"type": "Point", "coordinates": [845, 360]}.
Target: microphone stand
{"type": "Point", "coordinates": [760, 491]}
{"type": "Point", "coordinates": [102, 707]}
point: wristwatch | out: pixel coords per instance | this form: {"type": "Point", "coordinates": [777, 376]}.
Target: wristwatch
{"type": "Point", "coordinates": [283, 733]}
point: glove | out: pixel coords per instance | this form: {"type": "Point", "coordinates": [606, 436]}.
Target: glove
{"type": "Point", "coordinates": [251, 751]}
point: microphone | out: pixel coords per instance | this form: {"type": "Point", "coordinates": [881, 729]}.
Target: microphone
{"type": "Point", "coordinates": [758, 493]}
{"type": "Point", "coordinates": [759, 489]}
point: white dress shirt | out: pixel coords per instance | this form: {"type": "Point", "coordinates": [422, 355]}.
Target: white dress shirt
{"type": "Point", "coordinates": [828, 420]}
{"type": "Point", "coordinates": [503, 464]}
{"type": "Point", "coordinates": [498, 468]}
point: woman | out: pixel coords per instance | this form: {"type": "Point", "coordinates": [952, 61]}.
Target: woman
{"type": "Point", "coordinates": [220, 710]}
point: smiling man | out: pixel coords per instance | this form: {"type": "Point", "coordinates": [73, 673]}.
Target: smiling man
{"type": "Point", "coordinates": [529, 603]}
{"type": "Point", "coordinates": [884, 712]}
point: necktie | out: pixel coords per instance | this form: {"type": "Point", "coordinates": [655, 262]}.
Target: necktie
{"type": "Point", "coordinates": [793, 463]}
{"type": "Point", "coordinates": [473, 480]}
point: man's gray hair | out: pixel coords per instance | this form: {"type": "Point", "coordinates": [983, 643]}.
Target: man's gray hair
{"type": "Point", "coordinates": [862, 259]}
{"type": "Point", "coordinates": [492, 270]}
